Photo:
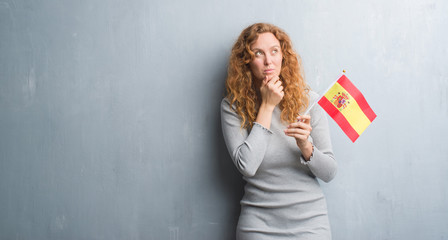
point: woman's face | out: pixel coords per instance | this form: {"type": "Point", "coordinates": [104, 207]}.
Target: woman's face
{"type": "Point", "coordinates": [268, 57]}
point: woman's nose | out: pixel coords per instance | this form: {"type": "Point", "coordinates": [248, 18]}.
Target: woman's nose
{"type": "Point", "coordinates": [267, 59]}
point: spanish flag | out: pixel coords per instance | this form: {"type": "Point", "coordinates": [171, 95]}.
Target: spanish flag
{"type": "Point", "coordinates": [348, 107]}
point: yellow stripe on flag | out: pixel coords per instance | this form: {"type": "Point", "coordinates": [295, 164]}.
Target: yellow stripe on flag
{"type": "Point", "coordinates": [353, 113]}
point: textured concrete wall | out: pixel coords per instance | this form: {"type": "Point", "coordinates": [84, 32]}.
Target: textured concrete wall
{"type": "Point", "coordinates": [109, 116]}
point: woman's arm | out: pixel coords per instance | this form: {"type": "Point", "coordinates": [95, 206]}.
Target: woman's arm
{"type": "Point", "coordinates": [317, 153]}
{"type": "Point", "coordinates": [322, 162]}
{"type": "Point", "coordinates": [246, 148]}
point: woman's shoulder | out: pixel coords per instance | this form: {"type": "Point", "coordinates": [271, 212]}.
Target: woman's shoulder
{"type": "Point", "coordinates": [226, 105]}
{"type": "Point", "coordinates": [225, 100]}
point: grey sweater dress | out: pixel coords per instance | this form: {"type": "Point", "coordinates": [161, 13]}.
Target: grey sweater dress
{"type": "Point", "coordinates": [282, 199]}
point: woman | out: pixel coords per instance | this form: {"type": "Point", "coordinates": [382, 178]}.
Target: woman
{"type": "Point", "coordinates": [279, 152]}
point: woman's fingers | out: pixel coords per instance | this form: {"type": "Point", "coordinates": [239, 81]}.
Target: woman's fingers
{"type": "Point", "coordinates": [266, 80]}
{"type": "Point", "coordinates": [276, 84]}
{"type": "Point", "coordinates": [302, 125]}
{"type": "Point", "coordinates": [304, 118]}
{"type": "Point", "coordinates": [296, 131]}
{"type": "Point", "coordinates": [301, 129]}
{"type": "Point", "coordinates": [272, 90]}
{"type": "Point", "coordinates": [272, 81]}
{"type": "Point", "coordinates": [300, 135]}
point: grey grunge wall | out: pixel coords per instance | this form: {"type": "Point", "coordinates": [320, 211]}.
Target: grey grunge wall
{"type": "Point", "coordinates": [110, 127]}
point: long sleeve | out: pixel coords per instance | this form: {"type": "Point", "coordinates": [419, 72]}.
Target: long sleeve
{"type": "Point", "coordinates": [247, 149]}
{"type": "Point", "coordinates": [322, 164]}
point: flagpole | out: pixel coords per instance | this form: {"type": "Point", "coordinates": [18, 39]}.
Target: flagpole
{"type": "Point", "coordinates": [309, 109]}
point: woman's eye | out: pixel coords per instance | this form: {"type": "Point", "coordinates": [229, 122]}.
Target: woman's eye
{"type": "Point", "coordinates": [258, 53]}
{"type": "Point", "coordinates": [274, 51]}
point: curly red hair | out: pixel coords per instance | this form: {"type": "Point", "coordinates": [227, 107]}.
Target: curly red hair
{"type": "Point", "coordinates": [240, 85]}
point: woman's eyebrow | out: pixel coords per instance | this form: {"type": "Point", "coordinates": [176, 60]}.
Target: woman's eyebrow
{"type": "Point", "coordinates": [256, 48]}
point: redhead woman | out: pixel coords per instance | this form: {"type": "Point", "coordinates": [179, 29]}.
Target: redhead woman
{"type": "Point", "coordinates": [279, 151]}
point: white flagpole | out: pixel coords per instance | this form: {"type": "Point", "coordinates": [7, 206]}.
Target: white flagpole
{"type": "Point", "coordinates": [309, 109]}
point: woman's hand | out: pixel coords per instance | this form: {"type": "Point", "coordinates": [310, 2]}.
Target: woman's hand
{"type": "Point", "coordinates": [301, 130]}
{"type": "Point", "coordinates": [271, 91]}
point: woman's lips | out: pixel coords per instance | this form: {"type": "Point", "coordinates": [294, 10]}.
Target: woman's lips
{"type": "Point", "coordinates": [267, 71]}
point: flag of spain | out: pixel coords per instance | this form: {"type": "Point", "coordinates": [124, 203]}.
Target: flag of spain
{"type": "Point", "coordinates": [348, 107]}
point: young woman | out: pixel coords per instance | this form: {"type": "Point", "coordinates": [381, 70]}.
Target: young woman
{"type": "Point", "coordinates": [279, 152]}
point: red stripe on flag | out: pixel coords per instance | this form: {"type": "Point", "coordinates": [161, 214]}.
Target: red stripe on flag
{"type": "Point", "coordinates": [357, 95]}
{"type": "Point", "coordinates": [339, 118]}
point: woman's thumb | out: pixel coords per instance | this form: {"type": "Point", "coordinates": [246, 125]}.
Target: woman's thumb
{"type": "Point", "coordinates": [265, 80]}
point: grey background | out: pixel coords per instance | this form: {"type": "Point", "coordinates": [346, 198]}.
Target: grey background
{"type": "Point", "coordinates": [109, 115]}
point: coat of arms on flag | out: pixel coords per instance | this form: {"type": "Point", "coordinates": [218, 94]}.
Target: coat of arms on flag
{"type": "Point", "coordinates": [348, 107]}
{"type": "Point", "coordinates": [341, 100]}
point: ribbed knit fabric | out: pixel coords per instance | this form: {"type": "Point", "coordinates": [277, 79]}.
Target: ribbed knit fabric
{"type": "Point", "coordinates": [283, 199]}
